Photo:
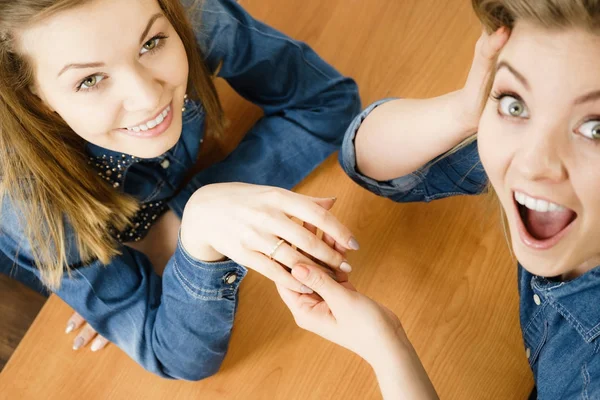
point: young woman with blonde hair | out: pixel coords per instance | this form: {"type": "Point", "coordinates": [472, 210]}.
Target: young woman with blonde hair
{"type": "Point", "coordinates": [538, 141]}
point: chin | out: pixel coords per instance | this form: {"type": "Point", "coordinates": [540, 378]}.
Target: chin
{"type": "Point", "coordinates": [545, 264]}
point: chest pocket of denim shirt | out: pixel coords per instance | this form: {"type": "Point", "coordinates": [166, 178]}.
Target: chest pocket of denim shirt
{"type": "Point", "coordinates": [535, 334]}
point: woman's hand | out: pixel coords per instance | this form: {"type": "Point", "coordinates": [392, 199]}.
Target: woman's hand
{"type": "Point", "coordinates": [337, 312]}
{"type": "Point", "coordinates": [85, 335]}
{"type": "Point", "coordinates": [253, 226]}
{"type": "Point", "coordinates": [474, 94]}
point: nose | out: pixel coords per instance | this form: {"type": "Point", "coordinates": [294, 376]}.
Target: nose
{"type": "Point", "coordinates": [539, 157]}
{"type": "Point", "coordinates": [142, 92]}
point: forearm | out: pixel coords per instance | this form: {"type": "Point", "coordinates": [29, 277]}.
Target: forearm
{"type": "Point", "coordinates": [401, 375]}
{"type": "Point", "coordinates": [400, 136]}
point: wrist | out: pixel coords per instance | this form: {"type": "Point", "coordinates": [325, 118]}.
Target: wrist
{"type": "Point", "coordinates": [390, 353]}
{"type": "Point", "coordinates": [192, 243]}
{"type": "Point", "coordinates": [468, 111]}
{"type": "Point", "coordinates": [401, 374]}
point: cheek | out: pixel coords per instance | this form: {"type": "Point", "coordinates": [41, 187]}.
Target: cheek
{"type": "Point", "coordinates": [585, 182]}
{"type": "Point", "coordinates": [87, 118]}
{"type": "Point", "coordinates": [85, 113]}
{"type": "Point", "coordinates": [173, 65]}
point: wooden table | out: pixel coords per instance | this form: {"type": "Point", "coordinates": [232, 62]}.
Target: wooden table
{"type": "Point", "coordinates": [444, 268]}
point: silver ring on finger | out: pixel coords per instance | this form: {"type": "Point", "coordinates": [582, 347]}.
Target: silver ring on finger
{"type": "Point", "coordinates": [272, 253]}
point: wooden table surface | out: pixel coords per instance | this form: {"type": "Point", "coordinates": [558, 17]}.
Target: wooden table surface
{"type": "Point", "coordinates": [445, 268]}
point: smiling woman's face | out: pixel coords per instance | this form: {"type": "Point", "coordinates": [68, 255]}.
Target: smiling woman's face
{"type": "Point", "coordinates": [539, 141]}
{"type": "Point", "coordinates": [116, 72]}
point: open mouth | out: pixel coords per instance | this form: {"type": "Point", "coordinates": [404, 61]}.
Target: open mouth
{"type": "Point", "coordinates": [542, 224]}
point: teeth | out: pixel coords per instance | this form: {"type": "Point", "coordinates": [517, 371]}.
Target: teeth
{"type": "Point", "coordinates": [536, 204]}
{"type": "Point", "coordinates": [152, 123]}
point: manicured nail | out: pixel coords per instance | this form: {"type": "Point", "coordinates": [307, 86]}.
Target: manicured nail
{"type": "Point", "coordinates": [78, 343]}
{"type": "Point", "coordinates": [70, 327]}
{"type": "Point", "coordinates": [346, 267]}
{"type": "Point", "coordinates": [353, 244]}
{"type": "Point", "coordinates": [306, 289]}
{"type": "Point", "coordinates": [96, 344]}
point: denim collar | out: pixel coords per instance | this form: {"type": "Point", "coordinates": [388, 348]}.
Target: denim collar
{"type": "Point", "coordinates": [575, 300]}
{"type": "Point", "coordinates": [96, 151]}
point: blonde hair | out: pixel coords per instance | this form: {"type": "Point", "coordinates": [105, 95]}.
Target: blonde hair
{"type": "Point", "coordinates": [44, 169]}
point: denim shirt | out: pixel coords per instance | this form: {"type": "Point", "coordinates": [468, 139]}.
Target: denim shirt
{"type": "Point", "coordinates": [178, 326]}
{"type": "Point", "coordinates": [560, 321]}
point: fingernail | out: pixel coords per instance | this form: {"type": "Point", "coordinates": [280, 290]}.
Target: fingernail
{"type": "Point", "coordinates": [306, 289]}
{"type": "Point", "coordinates": [299, 272]}
{"type": "Point", "coordinates": [96, 344]}
{"type": "Point", "coordinates": [346, 267]}
{"type": "Point", "coordinates": [78, 343]}
{"type": "Point", "coordinates": [70, 327]}
{"type": "Point", "coordinates": [353, 244]}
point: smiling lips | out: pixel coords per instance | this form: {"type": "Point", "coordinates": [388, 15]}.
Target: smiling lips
{"type": "Point", "coordinates": [542, 224]}
{"type": "Point", "coordinates": [152, 127]}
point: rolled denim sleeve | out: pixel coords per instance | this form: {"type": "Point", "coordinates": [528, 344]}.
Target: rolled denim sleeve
{"type": "Point", "coordinates": [307, 104]}
{"type": "Point", "coordinates": [453, 174]}
{"type": "Point", "coordinates": [177, 326]}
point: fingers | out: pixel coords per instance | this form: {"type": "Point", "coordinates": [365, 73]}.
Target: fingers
{"type": "Point", "coordinates": [332, 292]}
{"type": "Point", "coordinates": [309, 243]}
{"type": "Point", "coordinates": [99, 343]}
{"type": "Point", "coordinates": [325, 202]}
{"type": "Point", "coordinates": [314, 214]}
{"type": "Point", "coordinates": [75, 322]}
{"type": "Point", "coordinates": [274, 271]}
{"type": "Point", "coordinates": [329, 241]}
{"type": "Point", "coordinates": [337, 274]}
{"type": "Point", "coordinates": [486, 50]}
{"type": "Point", "coordinates": [492, 43]}
{"type": "Point", "coordinates": [84, 337]}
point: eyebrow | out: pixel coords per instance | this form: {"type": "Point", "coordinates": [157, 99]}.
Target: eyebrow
{"type": "Point", "coordinates": [595, 95]}
{"type": "Point", "coordinates": [519, 76]}
{"type": "Point", "coordinates": [101, 64]}
{"type": "Point", "coordinates": [591, 96]}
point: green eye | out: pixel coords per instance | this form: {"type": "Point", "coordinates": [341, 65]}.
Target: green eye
{"type": "Point", "coordinates": [516, 109]}
{"type": "Point", "coordinates": [512, 107]}
{"type": "Point", "coordinates": [151, 44]}
{"type": "Point", "coordinates": [590, 129]}
{"type": "Point", "coordinates": [90, 81]}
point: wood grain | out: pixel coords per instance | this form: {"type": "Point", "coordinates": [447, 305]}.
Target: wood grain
{"type": "Point", "coordinates": [19, 306]}
{"type": "Point", "coordinates": [444, 267]}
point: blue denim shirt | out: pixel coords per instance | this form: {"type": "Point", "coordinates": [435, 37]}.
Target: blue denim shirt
{"type": "Point", "coordinates": [178, 326]}
{"type": "Point", "coordinates": [560, 321]}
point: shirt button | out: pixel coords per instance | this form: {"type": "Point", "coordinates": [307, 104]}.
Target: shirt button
{"type": "Point", "coordinates": [528, 353]}
{"type": "Point", "coordinates": [537, 300]}
{"type": "Point", "coordinates": [230, 278]}
{"type": "Point", "coordinates": [165, 163]}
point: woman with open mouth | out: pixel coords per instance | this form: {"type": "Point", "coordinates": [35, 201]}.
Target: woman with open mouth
{"type": "Point", "coordinates": [526, 125]}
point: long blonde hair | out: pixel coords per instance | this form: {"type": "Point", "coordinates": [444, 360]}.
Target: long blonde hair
{"type": "Point", "coordinates": [44, 170]}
